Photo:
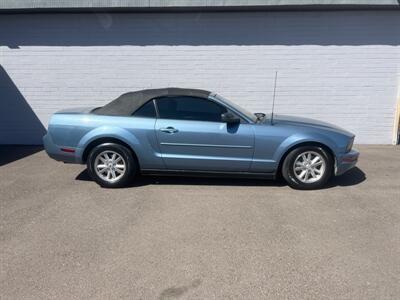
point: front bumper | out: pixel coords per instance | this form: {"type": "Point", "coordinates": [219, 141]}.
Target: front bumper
{"type": "Point", "coordinates": [346, 161]}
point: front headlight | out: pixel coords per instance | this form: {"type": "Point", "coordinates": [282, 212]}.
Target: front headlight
{"type": "Point", "coordinates": [350, 145]}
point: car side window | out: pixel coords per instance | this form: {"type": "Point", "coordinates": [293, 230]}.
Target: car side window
{"type": "Point", "coordinates": [146, 111]}
{"type": "Point", "coordinates": [189, 108]}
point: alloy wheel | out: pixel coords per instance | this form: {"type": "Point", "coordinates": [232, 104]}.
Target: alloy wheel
{"type": "Point", "coordinates": [109, 166]}
{"type": "Point", "coordinates": [309, 167]}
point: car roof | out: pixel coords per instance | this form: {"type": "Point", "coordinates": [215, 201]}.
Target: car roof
{"type": "Point", "coordinates": [128, 103]}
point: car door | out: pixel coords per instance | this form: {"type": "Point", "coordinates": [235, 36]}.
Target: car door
{"type": "Point", "coordinates": [193, 137]}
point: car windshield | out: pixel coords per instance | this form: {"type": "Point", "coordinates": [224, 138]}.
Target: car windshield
{"type": "Point", "coordinates": [236, 107]}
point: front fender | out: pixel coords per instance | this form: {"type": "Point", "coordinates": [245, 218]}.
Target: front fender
{"type": "Point", "coordinates": [297, 139]}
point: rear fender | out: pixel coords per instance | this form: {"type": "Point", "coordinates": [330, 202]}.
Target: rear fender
{"type": "Point", "coordinates": [108, 132]}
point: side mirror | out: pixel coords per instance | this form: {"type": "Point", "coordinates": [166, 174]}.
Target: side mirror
{"type": "Point", "coordinates": [230, 118]}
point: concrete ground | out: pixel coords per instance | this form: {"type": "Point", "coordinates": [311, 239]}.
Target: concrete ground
{"type": "Point", "coordinates": [64, 237]}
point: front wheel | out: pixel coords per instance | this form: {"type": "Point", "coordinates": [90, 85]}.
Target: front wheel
{"type": "Point", "coordinates": [111, 165]}
{"type": "Point", "coordinates": [307, 167]}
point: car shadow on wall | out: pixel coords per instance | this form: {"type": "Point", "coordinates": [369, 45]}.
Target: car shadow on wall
{"type": "Point", "coordinates": [352, 177]}
{"type": "Point", "coordinates": [18, 122]}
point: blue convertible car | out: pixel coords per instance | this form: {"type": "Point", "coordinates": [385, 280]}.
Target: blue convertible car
{"type": "Point", "coordinates": [188, 131]}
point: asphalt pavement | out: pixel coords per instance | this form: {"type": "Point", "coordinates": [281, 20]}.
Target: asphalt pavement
{"type": "Point", "coordinates": [64, 237]}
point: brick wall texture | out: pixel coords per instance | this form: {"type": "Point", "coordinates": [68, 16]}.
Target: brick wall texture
{"type": "Point", "coordinates": [341, 67]}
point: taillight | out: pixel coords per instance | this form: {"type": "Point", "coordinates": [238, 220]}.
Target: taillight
{"type": "Point", "coordinates": [350, 145]}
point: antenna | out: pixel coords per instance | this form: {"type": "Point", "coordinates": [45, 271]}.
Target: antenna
{"type": "Point", "coordinates": [273, 98]}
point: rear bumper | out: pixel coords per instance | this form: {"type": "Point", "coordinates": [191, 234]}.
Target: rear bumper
{"type": "Point", "coordinates": [346, 161]}
{"type": "Point", "coordinates": [67, 155]}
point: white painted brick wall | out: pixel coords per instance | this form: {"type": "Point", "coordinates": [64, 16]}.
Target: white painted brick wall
{"type": "Point", "coordinates": [341, 67]}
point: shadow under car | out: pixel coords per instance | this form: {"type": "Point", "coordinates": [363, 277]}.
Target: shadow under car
{"type": "Point", "coordinates": [352, 177]}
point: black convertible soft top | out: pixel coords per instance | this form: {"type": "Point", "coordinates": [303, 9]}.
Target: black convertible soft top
{"type": "Point", "coordinates": [128, 103]}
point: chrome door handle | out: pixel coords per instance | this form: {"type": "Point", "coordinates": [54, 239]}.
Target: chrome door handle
{"type": "Point", "coordinates": [169, 129]}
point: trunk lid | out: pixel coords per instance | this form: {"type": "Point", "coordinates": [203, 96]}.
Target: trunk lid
{"type": "Point", "coordinates": [76, 110]}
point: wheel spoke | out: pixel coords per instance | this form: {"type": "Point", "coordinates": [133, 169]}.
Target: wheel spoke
{"type": "Point", "coordinates": [102, 170]}
{"type": "Point", "coordinates": [114, 155]}
{"type": "Point", "coordinates": [317, 171]}
{"type": "Point", "coordinates": [119, 171]}
{"type": "Point", "coordinates": [317, 164]}
{"type": "Point", "coordinates": [315, 160]}
{"type": "Point", "coordinates": [303, 173]}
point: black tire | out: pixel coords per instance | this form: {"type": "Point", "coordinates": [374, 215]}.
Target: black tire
{"type": "Point", "coordinates": [288, 168]}
{"type": "Point", "coordinates": [127, 159]}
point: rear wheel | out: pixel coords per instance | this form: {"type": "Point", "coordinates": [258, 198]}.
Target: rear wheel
{"type": "Point", "coordinates": [307, 167]}
{"type": "Point", "coordinates": [111, 165]}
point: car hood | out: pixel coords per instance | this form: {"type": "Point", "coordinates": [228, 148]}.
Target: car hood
{"type": "Point", "coordinates": [306, 122]}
